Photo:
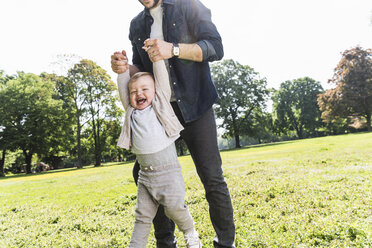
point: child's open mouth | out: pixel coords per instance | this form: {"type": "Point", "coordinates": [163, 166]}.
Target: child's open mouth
{"type": "Point", "coordinates": [141, 101]}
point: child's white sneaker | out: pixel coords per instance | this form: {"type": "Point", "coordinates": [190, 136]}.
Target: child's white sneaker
{"type": "Point", "coordinates": [192, 240]}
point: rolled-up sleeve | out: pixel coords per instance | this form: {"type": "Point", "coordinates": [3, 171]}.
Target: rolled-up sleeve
{"type": "Point", "coordinates": [209, 53]}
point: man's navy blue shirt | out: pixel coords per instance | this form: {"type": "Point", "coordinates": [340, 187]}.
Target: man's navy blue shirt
{"type": "Point", "coordinates": [184, 21]}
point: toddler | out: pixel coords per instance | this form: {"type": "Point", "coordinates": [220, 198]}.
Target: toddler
{"type": "Point", "coordinates": [149, 130]}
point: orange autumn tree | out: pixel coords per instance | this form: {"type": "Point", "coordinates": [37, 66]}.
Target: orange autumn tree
{"type": "Point", "coordinates": [352, 96]}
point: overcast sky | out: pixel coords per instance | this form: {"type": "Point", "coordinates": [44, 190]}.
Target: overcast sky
{"type": "Point", "coordinates": [280, 39]}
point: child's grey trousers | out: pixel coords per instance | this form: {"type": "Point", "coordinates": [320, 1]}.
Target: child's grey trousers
{"type": "Point", "coordinates": [160, 182]}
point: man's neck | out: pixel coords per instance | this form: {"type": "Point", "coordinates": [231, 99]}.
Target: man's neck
{"type": "Point", "coordinates": [157, 4]}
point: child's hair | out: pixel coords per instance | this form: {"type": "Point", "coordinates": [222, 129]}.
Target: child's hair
{"type": "Point", "coordinates": [136, 76]}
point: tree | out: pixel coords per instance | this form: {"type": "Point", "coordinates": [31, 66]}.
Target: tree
{"type": "Point", "coordinates": [2, 140]}
{"type": "Point", "coordinates": [241, 91]}
{"type": "Point", "coordinates": [2, 150]}
{"type": "Point", "coordinates": [261, 126]}
{"type": "Point", "coordinates": [295, 106]}
{"type": "Point", "coordinates": [352, 95]}
{"type": "Point", "coordinates": [30, 114]}
{"type": "Point", "coordinates": [110, 135]}
{"type": "Point", "coordinates": [5, 139]}
{"type": "Point", "coordinates": [61, 146]}
{"type": "Point", "coordinates": [92, 91]}
{"type": "Point", "coordinates": [76, 90]}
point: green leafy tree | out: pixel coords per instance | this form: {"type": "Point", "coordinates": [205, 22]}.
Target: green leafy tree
{"type": "Point", "coordinates": [352, 95]}
{"type": "Point", "coordinates": [93, 93]}
{"type": "Point", "coordinates": [2, 131]}
{"type": "Point", "coordinates": [110, 135]}
{"type": "Point", "coordinates": [30, 114]}
{"type": "Point", "coordinates": [261, 126]}
{"type": "Point", "coordinates": [241, 91]}
{"type": "Point", "coordinates": [296, 108]}
{"type": "Point", "coordinates": [76, 90]}
{"type": "Point", "coordinates": [61, 146]}
{"type": "Point", "coordinates": [5, 137]}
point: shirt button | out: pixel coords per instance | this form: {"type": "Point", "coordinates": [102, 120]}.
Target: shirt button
{"type": "Point", "coordinates": [139, 38]}
{"type": "Point", "coordinates": [174, 83]}
{"type": "Point", "coordinates": [178, 100]}
{"type": "Point", "coordinates": [170, 66]}
{"type": "Point", "coordinates": [174, 24]}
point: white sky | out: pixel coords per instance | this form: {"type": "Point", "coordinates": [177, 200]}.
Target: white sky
{"type": "Point", "coordinates": [280, 39]}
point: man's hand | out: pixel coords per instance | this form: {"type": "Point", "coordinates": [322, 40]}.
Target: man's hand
{"type": "Point", "coordinates": [119, 62]}
{"type": "Point", "coordinates": [158, 49]}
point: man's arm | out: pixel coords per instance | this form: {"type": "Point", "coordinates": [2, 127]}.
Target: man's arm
{"type": "Point", "coordinates": [160, 50]}
{"type": "Point", "coordinates": [208, 45]}
{"type": "Point", "coordinates": [199, 20]}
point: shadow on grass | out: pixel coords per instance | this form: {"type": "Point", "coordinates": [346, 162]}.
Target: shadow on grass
{"type": "Point", "coordinates": [290, 141]}
{"type": "Point", "coordinates": [109, 164]}
{"type": "Point", "coordinates": [260, 145]}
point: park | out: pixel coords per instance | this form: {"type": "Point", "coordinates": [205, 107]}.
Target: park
{"type": "Point", "coordinates": [303, 193]}
{"type": "Point", "coordinates": [299, 176]}
{"type": "Point", "coordinates": [282, 91]}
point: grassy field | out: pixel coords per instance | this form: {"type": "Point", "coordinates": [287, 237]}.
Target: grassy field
{"type": "Point", "coordinates": [306, 193]}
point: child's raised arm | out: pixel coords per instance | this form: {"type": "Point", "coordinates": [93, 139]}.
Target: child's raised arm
{"type": "Point", "coordinates": [123, 81]}
{"type": "Point", "coordinates": [161, 78]}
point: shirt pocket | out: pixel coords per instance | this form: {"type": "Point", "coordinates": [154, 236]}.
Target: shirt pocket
{"type": "Point", "coordinates": [137, 42]}
{"type": "Point", "coordinates": [179, 31]}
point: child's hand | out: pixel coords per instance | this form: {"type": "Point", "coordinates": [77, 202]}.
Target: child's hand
{"type": "Point", "coordinates": [119, 62]}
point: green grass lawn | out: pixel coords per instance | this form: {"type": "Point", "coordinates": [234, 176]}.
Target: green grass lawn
{"type": "Point", "coordinates": [305, 193]}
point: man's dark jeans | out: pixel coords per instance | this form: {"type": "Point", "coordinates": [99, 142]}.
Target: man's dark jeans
{"type": "Point", "coordinates": [200, 137]}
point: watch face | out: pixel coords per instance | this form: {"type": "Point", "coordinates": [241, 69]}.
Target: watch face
{"type": "Point", "coordinates": [176, 51]}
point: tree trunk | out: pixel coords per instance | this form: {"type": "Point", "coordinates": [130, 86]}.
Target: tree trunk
{"type": "Point", "coordinates": [28, 159]}
{"type": "Point", "coordinates": [237, 141]}
{"type": "Point", "coordinates": [97, 154]}
{"type": "Point", "coordinates": [294, 123]}
{"type": "Point", "coordinates": [2, 162]}
{"type": "Point", "coordinates": [236, 131]}
{"type": "Point", "coordinates": [79, 164]}
{"type": "Point", "coordinates": [368, 117]}
{"type": "Point", "coordinates": [300, 132]}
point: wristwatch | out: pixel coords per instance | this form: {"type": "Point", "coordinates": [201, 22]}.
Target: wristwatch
{"type": "Point", "coordinates": [176, 49]}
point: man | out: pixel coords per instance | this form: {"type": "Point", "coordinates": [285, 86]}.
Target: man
{"type": "Point", "coordinates": [181, 33]}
